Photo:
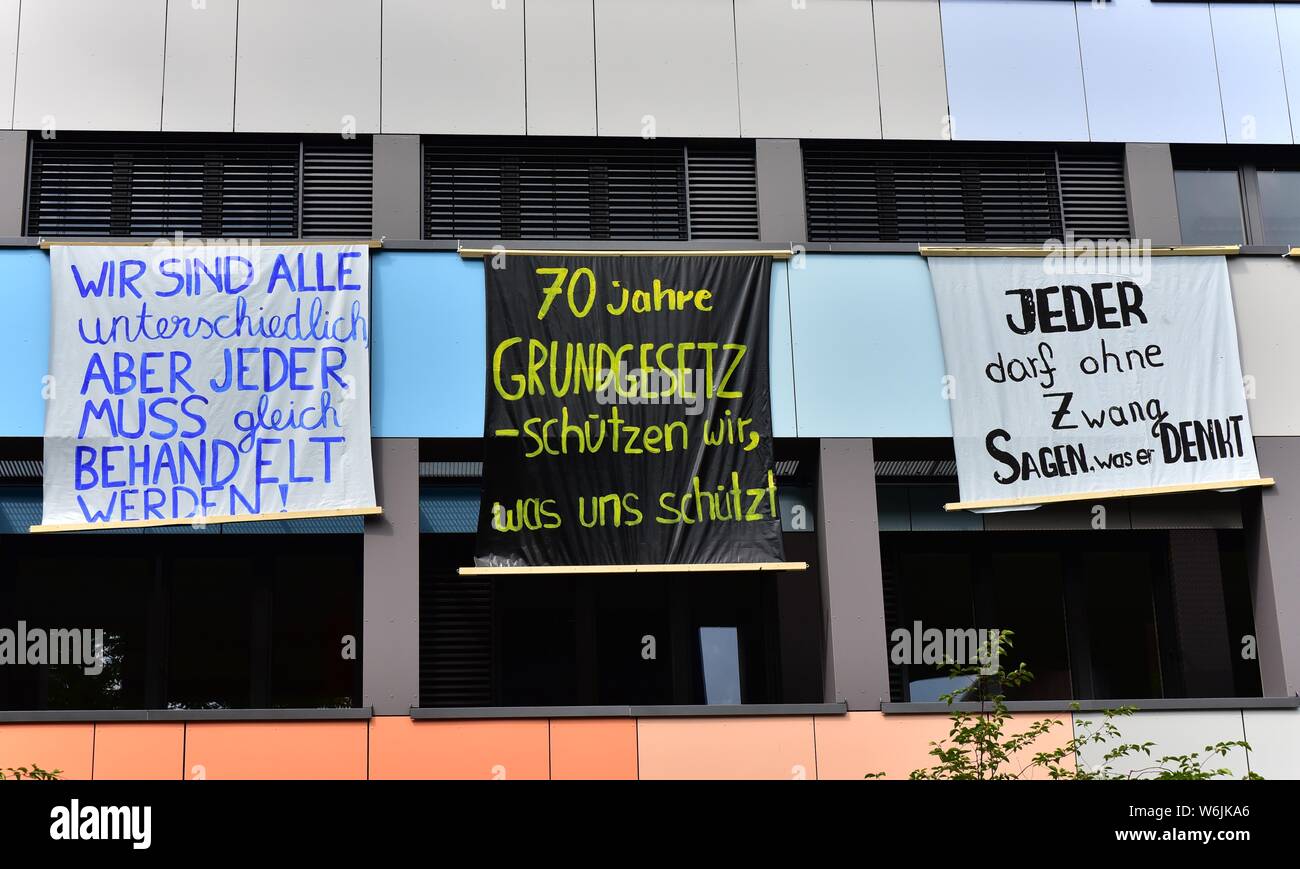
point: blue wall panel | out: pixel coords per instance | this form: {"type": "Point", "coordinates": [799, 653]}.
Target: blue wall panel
{"type": "Point", "coordinates": [1149, 72]}
{"type": "Point", "coordinates": [24, 340]}
{"type": "Point", "coordinates": [1250, 73]}
{"type": "Point", "coordinates": [428, 373]}
{"type": "Point", "coordinates": [867, 357]}
{"type": "Point", "coordinates": [1013, 70]}
{"type": "Point", "coordinates": [781, 367]}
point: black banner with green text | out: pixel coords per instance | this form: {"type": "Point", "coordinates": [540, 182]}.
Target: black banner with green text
{"type": "Point", "coordinates": [628, 416]}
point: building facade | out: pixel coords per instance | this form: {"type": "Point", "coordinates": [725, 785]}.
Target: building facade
{"type": "Point", "coordinates": [850, 132]}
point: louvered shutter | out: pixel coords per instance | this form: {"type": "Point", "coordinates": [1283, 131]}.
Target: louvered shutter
{"type": "Point", "coordinates": [723, 190]}
{"type": "Point", "coordinates": [601, 190]}
{"type": "Point", "coordinates": [859, 192]}
{"type": "Point", "coordinates": [257, 192]}
{"type": "Point", "coordinates": [337, 188]}
{"type": "Point", "coordinates": [1094, 195]}
{"type": "Point", "coordinates": [234, 187]}
{"type": "Point", "coordinates": [455, 639]}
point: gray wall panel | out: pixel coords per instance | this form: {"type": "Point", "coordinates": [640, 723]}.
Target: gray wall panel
{"type": "Point", "coordinates": [1152, 199]}
{"type": "Point", "coordinates": [1274, 550]}
{"type": "Point", "coordinates": [396, 198]}
{"type": "Point", "coordinates": [666, 68]}
{"type": "Point", "coordinates": [909, 60]}
{"type": "Point", "coordinates": [807, 70]}
{"type": "Point", "coordinates": [455, 66]}
{"type": "Point", "coordinates": [1266, 294]}
{"type": "Point", "coordinates": [561, 54]}
{"type": "Point", "coordinates": [199, 76]}
{"type": "Point", "coordinates": [390, 644]}
{"type": "Point", "coordinates": [308, 66]}
{"type": "Point", "coordinates": [13, 181]}
{"type": "Point", "coordinates": [781, 214]}
{"type": "Point", "coordinates": [857, 669]}
{"type": "Point", "coordinates": [90, 65]}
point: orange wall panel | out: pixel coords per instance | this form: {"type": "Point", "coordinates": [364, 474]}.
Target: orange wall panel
{"type": "Point", "coordinates": [401, 748]}
{"type": "Point", "coordinates": [727, 748]}
{"type": "Point", "coordinates": [67, 747]}
{"type": "Point", "coordinates": [593, 748]}
{"type": "Point", "coordinates": [140, 751]}
{"type": "Point", "coordinates": [850, 746]}
{"type": "Point", "coordinates": [276, 750]}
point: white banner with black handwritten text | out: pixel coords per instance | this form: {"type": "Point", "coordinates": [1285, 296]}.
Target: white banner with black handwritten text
{"type": "Point", "coordinates": [1063, 381]}
{"type": "Point", "coordinates": [193, 382]}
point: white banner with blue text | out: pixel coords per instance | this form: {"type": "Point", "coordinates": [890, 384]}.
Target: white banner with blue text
{"type": "Point", "coordinates": [207, 382]}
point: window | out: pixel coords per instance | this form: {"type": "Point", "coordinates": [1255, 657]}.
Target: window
{"type": "Point", "coordinates": [1155, 604]}
{"type": "Point", "coordinates": [1209, 206]}
{"type": "Point", "coordinates": [1095, 614]}
{"type": "Point", "coordinates": [232, 616]}
{"type": "Point", "coordinates": [953, 193]}
{"type": "Point", "coordinates": [1279, 205]}
{"type": "Point", "coordinates": [223, 187]}
{"type": "Point", "coordinates": [190, 621]}
{"type": "Point", "coordinates": [1238, 195]}
{"type": "Point", "coordinates": [617, 639]}
{"type": "Point", "coordinates": [589, 189]}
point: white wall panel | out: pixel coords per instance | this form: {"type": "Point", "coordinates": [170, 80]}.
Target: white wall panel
{"type": "Point", "coordinates": [1149, 71]}
{"type": "Point", "coordinates": [1266, 295]}
{"type": "Point", "coordinates": [90, 65]}
{"type": "Point", "coordinates": [909, 57]}
{"type": "Point", "coordinates": [8, 58]}
{"type": "Point", "coordinates": [1174, 733]}
{"type": "Point", "coordinates": [1251, 81]}
{"type": "Point", "coordinates": [307, 66]}
{"type": "Point", "coordinates": [199, 74]}
{"type": "Point", "coordinates": [561, 53]}
{"type": "Point", "coordinates": [807, 70]}
{"type": "Point", "coordinates": [669, 66]}
{"type": "Point", "coordinates": [1013, 70]}
{"type": "Point", "coordinates": [454, 66]}
{"type": "Point", "coordinates": [1288, 33]}
{"type": "Point", "coordinates": [1274, 735]}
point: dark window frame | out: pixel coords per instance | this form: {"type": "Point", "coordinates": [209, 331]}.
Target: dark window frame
{"type": "Point", "coordinates": [1247, 163]}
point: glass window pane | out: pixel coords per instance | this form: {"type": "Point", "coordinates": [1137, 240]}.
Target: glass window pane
{"type": "Point", "coordinates": [1209, 206]}
{"type": "Point", "coordinates": [1279, 206]}
{"type": "Point", "coordinates": [1026, 597]}
{"type": "Point", "coordinates": [720, 654]}
{"type": "Point", "coordinates": [1123, 648]}
{"type": "Point", "coordinates": [937, 590]}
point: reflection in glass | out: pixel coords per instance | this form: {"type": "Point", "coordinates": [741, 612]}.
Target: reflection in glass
{"type": "Point", "coordinates": [1279, 206]}
{"type": "Point", "coordinates": [1209, 206]}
